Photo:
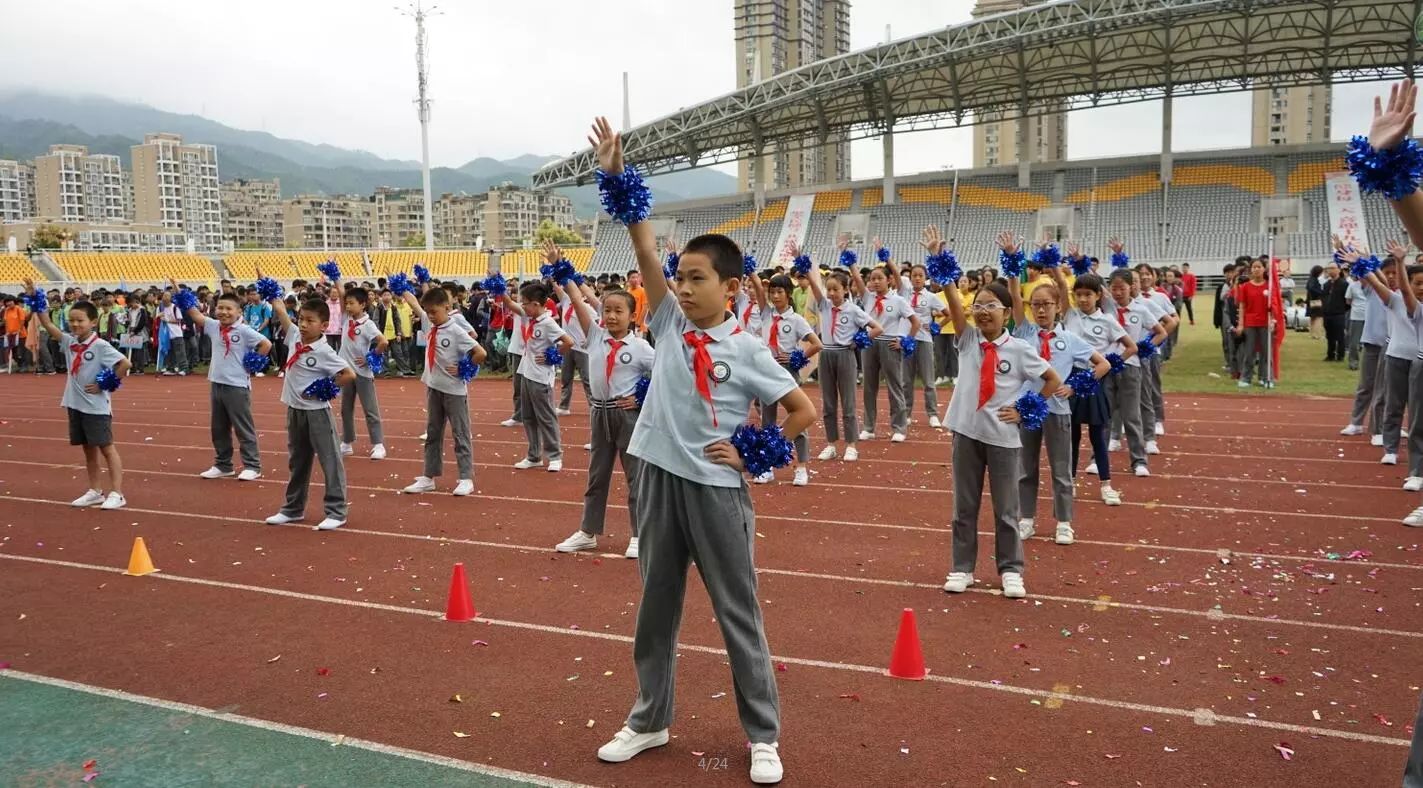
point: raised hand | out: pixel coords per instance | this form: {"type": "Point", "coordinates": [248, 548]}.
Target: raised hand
{"type": "Point", "coordinates": [843, 241]}
{"type": "Point", "coordinates": [878, 245]}
{"type": "Point", "coordinates": [1115, 244]}
{"type": "Point", "coordinates": [1007, 242]}
{"type": "Point", "coordinates": [1397, 250]}
{"type": "Point", "coordinates": [931, 240]}
{"type": "Point", "coordinates": [1073, 250]}
{"type": "Point", "coordinates": [29, 285]}
{"type": "Point", "coordinates": [608, 144]}
{"type": "Point", "coordinates": [551, 251]}
{"type": "Point", "coordinates": [1394, 123]}
{"type": "Point", "coordinates": [1337, 242]}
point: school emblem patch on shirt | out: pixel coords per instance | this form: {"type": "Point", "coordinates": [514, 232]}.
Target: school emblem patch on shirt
{"type": "Point", "coordinates": [1059, 345]}
{"type": "Point", "coordinates": [538, 333]}
{"type": "Point", "coordinates": [311, 361]}
{"type": "Point", "coordinates": [1134, 319]}
{"type": "Point", "coordinates": [844, 320]}
{"type": "Point", "coordinates": [1097, 330]}
{"type": "Point", "coordinates": [88, 355]}
{"type": "Point", "coordinates": [445, 342]}
{"type": "Point", "coordinates": [625, 357]}
{"type": "Point", "coordinates": [1004, 367]}
{"type": "Point", "coordinates": [721, 372]}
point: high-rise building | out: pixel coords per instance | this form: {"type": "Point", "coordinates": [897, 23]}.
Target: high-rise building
{"type": "Point", "coordinates": [773, 36]}
{"type": "Point", "coordinates": [17, 191]}
{"type": "Point", "coordinates": [995, 139]}
{"type": "Point", "coordinates": [1290, 116]}
{"type": "Point", "coordinates": [504, 217]}
{"type": "Point", "coordinates": [459, 219]}
{"type": "Point", "coordinates": [315, 222]}
{"type": "Point", "coordinates": [73, 185]}
{"type": "Point", "coordinates": [400, 216]}
{"type": "Point", "coordinates": [175, 185]}
{"type": "Point", "coordinates": [252, 213]}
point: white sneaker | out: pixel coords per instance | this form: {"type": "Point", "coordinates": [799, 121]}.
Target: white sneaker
{"type": "Point", "coordinates": [1413, 483]}
{"type": "Point", "coordinates": [631, 552]}
{"type": "Point", "coordinates": [897, 437]}
{"type": "Point", "coordinates": [347, 450]}
{"type": "Point", "coordinates": [554, 466]}
{"type": "Point", "coordinates": [578, 541]}
{"type": "Point", "coordinates": [465, 487]}
{"type": "Point", "coordinates": [249, 475]}
{"type": "Point", "coordinates": [1114, 445]}
{"type": "Point", "coordinates": [827, 453]}
{"type": "Point", "coordinates": [1064, 533]}
{"type": "Point", "coordinates": [1352, 429]}
{"type": "Point", "coordinates": [90, 498]}
{"type": "Point", "coordinates": [765, 478]}
{"type": "Point", "coordinates": [866, 435]}
{"type": "Point", "coordinates": [526, 464]}
{"type": "Point", "coordinates": [422, 484]}
{"type": "Point", "coordinates": [510, 423]}
{"type": "Point", "coordinates": [587, 447]}
{"type": "Point", "coordinates": [1389, 459]}
{"type": "Point", "coordinates": [1013, 586]}
{"type": "Point", "coordinates": [935, 423]}
{"type": "Point", "coordinates": [1243, 384]}
{"type": "Point", "coordinates": [1376, 440]}
{"type": "Point", "coordinates": [1110, 496]}
{"type": "Point", "coordinates": [958, 582]}
{"type": "Point", "coordinates": [215, 473]}
{"type": "Point", "coordinates": [563, 412]}
{"type": "Point", "coordinates": [329, 524]}
{"type": "Point", "coordinates": [115, 500]}
{"type": "Point", "coordinates": [378, 451]}
{"type": "Point", "coordinates": [1160, 428]}
{"type": "Point", "coordinates": [261, 375]}
{"type": "Point", "coordinates": [1415, 518]}
{"type": "Point", "coordinates": [282, 519]}
{"type": "Point", "coordinates": [1026, 528]}
{"type": "Point", "coordinates": [802, 477]}
{"type": "Point", "coordinates": [1141, 470]}
{"type": "Point", "coordinates": [852, 454]}
{"type": "Point", "coordinates": [626, 744]}
{"type": "Point", "coordinates": [1092, 468]}
{"type": "Point", "coordinates": [1152, 448]}
{"type": "Point", "coordinates": [765, 764]}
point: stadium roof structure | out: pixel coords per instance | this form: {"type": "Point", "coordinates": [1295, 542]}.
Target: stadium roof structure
{"type": "Point", "coordinates": [1057, 56]}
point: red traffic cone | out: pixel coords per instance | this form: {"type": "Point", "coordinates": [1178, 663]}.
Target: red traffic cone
{"type": "Point", "coordinates": [907, 661]}
{"type": "Point", "coordinates": [461, 605]}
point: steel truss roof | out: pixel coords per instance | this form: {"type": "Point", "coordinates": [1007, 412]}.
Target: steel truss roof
{"type": "Point", "coordinates": [1048, 58]}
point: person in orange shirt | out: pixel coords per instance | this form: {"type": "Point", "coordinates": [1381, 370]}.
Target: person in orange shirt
{"type": "Point", "coordinates": [14, 342]}
{"type": "Point", "coordinates": [639, 296]}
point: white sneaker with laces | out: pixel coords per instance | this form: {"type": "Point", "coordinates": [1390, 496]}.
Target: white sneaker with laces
{"type": "Point", "coordinates": [958, 582]}
{"type": "Point", "coordinates": [802, 477]}
{"type": "Point", "coordinates": [90, 498]}
{"type": "Point", "coordinates": [1376, 440]}
{"type": "Point", "coordinates": [1389, 459]}
{"type": "Point", "coordinates": [1092, 468]}
{"type": "Point", "coordinates": [1160, 428]}
{"type": "Point", "coordinates": [765, 478]}
{"type": "Point", "coordinates": [827, 453]}
{"type": "Point", "coordinates": [465, 487]}
{"type": "Point", "coordinates": [866, 435]}
{"type": "Point", "coordinates": [1114, 445]}
{"type": "Point", "coordinates": [852, 454]}
{"type": "Point", "coordinates": [1415, 518]}
{"type": "Point", "coordinates": [1152, 448]}
{"type": "Point", "coordinates": [526, 463]}
{"type": "Point", "coordinates": [765, 764]}
{"type": "Point", "coordinates": [935, 423]}
{"type": "Point", "coordinates": [510, 423]}
{"type": "Point", "coordinates": [378, 451]}
{"type": "Point", "coordinates": [424, 436]}
{"type": "Point", "coordinates": [554, 466]}
{"type": "Point", "coordinates": [282, 519]}
{"type": "Point", "coordinates": [1026, 528]}
{"type": "Point", "coordinates": [1110, 496]}
{"type": "Point", "coordinates": [563, 412]}
{"type": "Point", "coordinates": [578, 541]}
{"type": "Point", "coordinates": [116, 500]}
{"type": "Point", "coordinates": [587, 447]}
{"type": "Point", "coordinates": [1352, 429]}
{"type": "Point", "coordinates": [1013, 586]}
{"type": "Point", "coordinates": [897, 437]}
{"type": "Point", "coordinates": [1413, 483]}
{"type": "Point", "coordinates": [1141, 470]}
{"type": "Point", "coordinates": [249, 475]}
{"type": "Point", "coordinates": [1064, 533]}
{"type": "Point", "coordinates": [422, 484]}
{"type": "Point", "coordinates": [1244, 384]}
{"type": "Point", "coordinates": [631, 552]}
{"type": "Point", "coordinates": [329, 524]}
{"type": "Point", "coordinates": [627, 744]}
{"type": "Point", "coordinates": [347, 450]}
{"type": "Point", "coordinates": [215, 473]}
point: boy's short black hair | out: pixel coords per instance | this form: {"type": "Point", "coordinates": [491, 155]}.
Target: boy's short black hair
{"type": "Point", "coordinates": [1414, 270]}
{"type": "Point", "coordinates": [726, 257]}
{"type": "Point", "coordinates": [87, 307]}
{"type": "Point", "coordinates": [1087, 282]}
{"type": "Point", "coordinates": [230, 297]}
{"type": "Point", "coordinates": [359, 294]}
{"type": "Point", "coordinates": [435, 296]}
{"type": "Point", "coordinates": [533, 291]}
{"type": "Point", "coordinates": [630, 273]}
{"type": "Point", "coordinates": [781, 282]}
{"type": "Point", "coordinates": [318, 307]}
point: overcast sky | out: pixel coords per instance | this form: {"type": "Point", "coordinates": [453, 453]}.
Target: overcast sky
{"type": "Point", "coordinates": [507, 78]}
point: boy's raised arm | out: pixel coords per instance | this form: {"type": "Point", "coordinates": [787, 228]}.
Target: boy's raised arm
{"type": "Point", "coordinates": [608, 144]}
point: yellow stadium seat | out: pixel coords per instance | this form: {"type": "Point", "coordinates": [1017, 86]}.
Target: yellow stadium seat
{"type": "Point", "coordinates": [1311, 175]}
{"type": "Point", "coordinates": [134, 267]}
{"type": "Point", "coordinates": [15, 268]}
{"type": "Point", "coordinates": [832, 201]}
{"type": "Point", "coordinates": [1247, 178]}
{"type": "Point", "coordinates": [282, 265]}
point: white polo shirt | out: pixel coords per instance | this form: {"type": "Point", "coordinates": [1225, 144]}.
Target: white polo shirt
{"type": "Point", "coordinates": [319, 360]}
{"type": "Point", "coordinates": [1018, 364]}
{"type": "Point", "coordinates": [846, 320]}
{"type": "Point", "coordinates": [452, 343]}
{"type": "Point", "coordinates": [226, 366]}
{"type": "Point", "coordinates": [1402, 328]}
{"type": "Point", "coordinates": [676, 423]}
{"type": "Point", "coordinates": [633, 360]}
{"type": "Point", "coordinates": [891, 312]}
{"type": "Point", "coordinates": [788, 327]}
{"type": "Point", "coordinates": [925, 304]}
{"type": "Point", "coordinates": [1137, 319]}
{"type": "Point", "coordinates": [1067, 349]}
{"type": "Point", "coordinates": [568, 319]}
{"type": "Point", "coordinates": [1098, 329]}
{"type": "Point", "coordinates": [356, 347]}
{"type": "Point", "coordinates": [95, 356]}
{"type": "Point", "coordinates": [541, 335]}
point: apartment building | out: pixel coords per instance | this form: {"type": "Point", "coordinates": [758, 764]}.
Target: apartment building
{"type": "Point", "coordinates": [252, 213]}
{"type": "Point", "coordinates": [315, 222]}
{"type": "Point", "coordinates": [73, 185]}
{"type": "Point", "coordinates": [17, 191]}
{"type": "Point", "coordinates": [400, 216]}
{"type": "Point", "coordinates": [175, 185]}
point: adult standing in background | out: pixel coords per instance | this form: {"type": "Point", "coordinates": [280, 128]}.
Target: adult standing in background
{"type": "Point", "coordinates": [1314, 301]}
{"type": "Point", "coordinates": [1188, 291]}
{"type": "Point", "coordinates": [1358, 310]}
{"type": "Point", "coordinates": [1336, 312]}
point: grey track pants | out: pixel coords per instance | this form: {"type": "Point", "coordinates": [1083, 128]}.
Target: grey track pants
{"type": "Point", "coordinates": [232, 413]}
{"type": "Point", "coordinates": [612, 431]}
{"type": "Point", "coordinates": [540, 422]}
{"type": "Point", "coordinates": [1057, 435]}
{"type": "Point", "coordinates": [837, 393]}
{"type": "Point", "coordinates": [1124, 393]}
{"type": "Point", "coordinates": [365, 388]}
{"type": "Point", "coordinates": [573, 361]}
{"type": "Point", "coordinates": [879, 358]}
{"type": "Point", "coordinates": [452, 409]}
{"type": "Point", "coordinates": [1368, 397]}
{"type": "Point", "coordinates": [971, 459]}
{"type": "Point", "coordinates": [311, 435]}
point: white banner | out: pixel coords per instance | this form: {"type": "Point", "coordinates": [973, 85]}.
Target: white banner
{"type": "Point", "coordinates": [793, 229]}
{"type": "Point", "coordinates": [1346, 212]}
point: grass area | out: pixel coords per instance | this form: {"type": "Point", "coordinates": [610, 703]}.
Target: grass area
{"type": "Point", "coordinates": [1195, 367]}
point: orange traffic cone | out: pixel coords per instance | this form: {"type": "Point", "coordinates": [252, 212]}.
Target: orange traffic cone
{"type": "Point", "coordinates": [907, 661]}
{"type": "Point", "coordinates": [461, 604]}
{"type": "Point", "coordinates": [139, 564]}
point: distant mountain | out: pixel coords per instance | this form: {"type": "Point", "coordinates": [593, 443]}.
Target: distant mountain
{"type": "Point", "coordinates": [31, 121]}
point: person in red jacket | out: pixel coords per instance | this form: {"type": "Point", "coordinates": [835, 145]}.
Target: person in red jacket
{"type": "Point", "coordinates": [1252, 298]}
{"type": "Point", "coordinates": [1188, 291]}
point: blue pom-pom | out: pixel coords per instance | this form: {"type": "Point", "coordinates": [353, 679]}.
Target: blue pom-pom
{"type": "Point", "coordinates": [907, 345]}
{"type": "Point", "coordinates": [107, 380]}
{"type": "Point", "coordinates": [422, 274]}
{"type": "Point", "coordinates": [762, 449]}
{"type": "Point", "coordinates": [1145, 349]}
{"type": "Point", "coordinates": [798, 360]}
{"type": "Point", "coordinates": [1364, 266]}
{"type": "Point", "coordinates": [255, 362]}
{"type": "Point", "coordinates": [625, 197]}
{"type": "Point", "coordinates": [1120, 259]}
{"type": "Point", "coordinates": [375, 362]}
{"type": "Point", "coordinates": [848, 258]}
{"type": "Point", "coordinates": [882, 254]}
{"type": "Point", "coordinates": [36, 301]}
{"type": "Point", "coordinates": [669, 268]}
{"type": "Point", "coordinates": [324, 389]}
{"type": "Point", "coordinates": [943, 267]}
{"type": "Point", "coordinates": [935, 328]}
{"type": "Point", "coordinates": [1048, 257]}
{"type": "Point", "coordinates": [330, 270]}
{"type": "Point", "coordinates": [1032, 410]}
{"type": "Point", "coordinates": [640, 390]}
{"type": "Point", "coordinates": [399, 284]}
{"type": "Point", "coordinates": [862, 339]}
{"type": "Point", "coordinates": [801, 264]}
{"type": "Point", "coordinates": [1083, 382]}
{"type": "Point", "coordinates": [748, 265]}
{"type": "Point", "coordinates": [268, 288]}
{"type": "Point", "coordinates": [1394, 173]}
{"type": "Point", "coordinates": [1118, 363]}
{"type": "Point", "coordinates": [560, 272]}
{"type": "Point", "coordinates": [495, 285]}
{"type": "Point", "coordinates": [552, 356]}
{"type": "Point", "coordinates": [1081, 266]}
{"type": "Point", "coordinates": [1011, 263]}
{"type": "Point", "coordinates": [468, 369]}
{"type": "Point", "coordinates": [185, 299]}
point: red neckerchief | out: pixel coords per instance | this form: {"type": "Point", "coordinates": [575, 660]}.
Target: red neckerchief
{"type": "Point", "coordinates": [986, 383]}
{"type": "Point", "coordinates": [430, 347]}
{"type": "Point", "coordinates": [300, 349]}
{"type": "Point", "coordinates": [226, 332]}
{"type": "Point", "coordinates": [702, 365]}
{"type": "Point", "coordinates": [78, 351]}
{"type": "Point", "coordinates": [775, 342]}
{"type": "Point", "coordinates": [1122, 315]}
{"type": "Point", "coordinates": [352, 326]}
{"type": "Point", "coordinates": [527, 329]}
{"type": "Point", "coordinates": [879, 304]}
{"type": "Point", "coordinates": [834, 321]}
{"type": "Point", "coordinates": [1044, 349]}
{"type": "Point", "coordinates": [617, 345]}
